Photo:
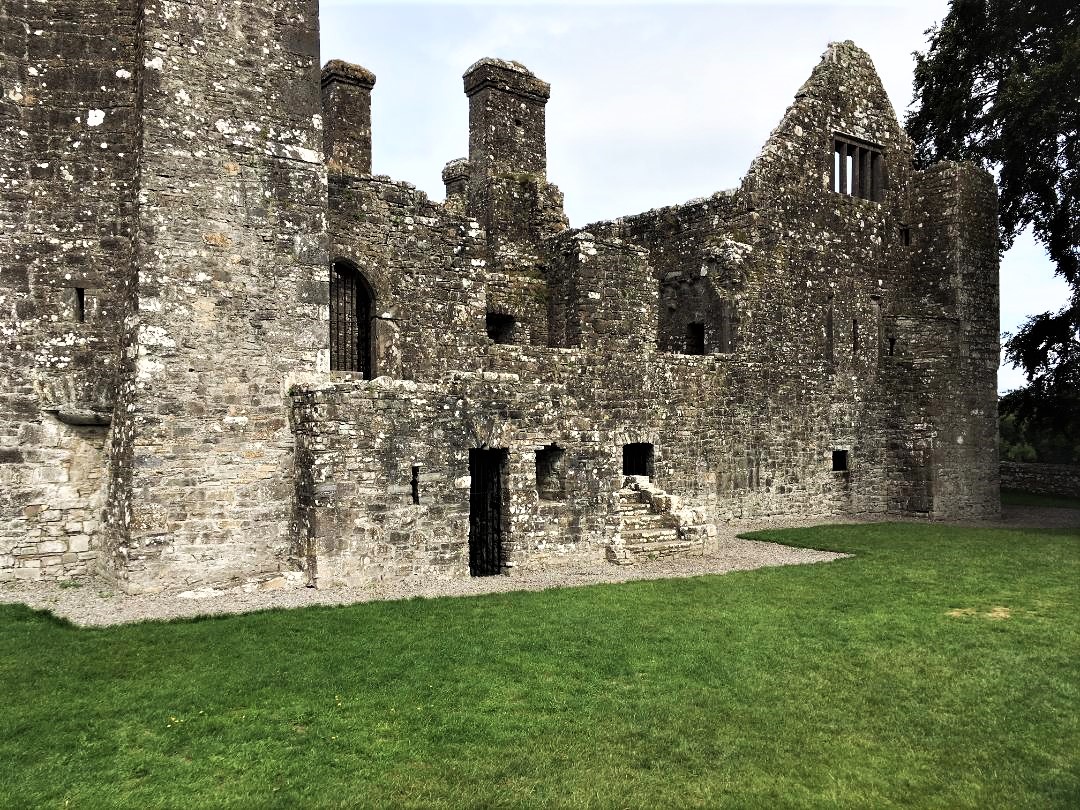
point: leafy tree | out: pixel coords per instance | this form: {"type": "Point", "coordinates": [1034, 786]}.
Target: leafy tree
{"type": "Point", "coordinates": [1000, 86]}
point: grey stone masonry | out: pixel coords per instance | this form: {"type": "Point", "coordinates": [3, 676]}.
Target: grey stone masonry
{"type": "Point", "coordinates": [231, 349]}
{"type": "Point", "coordinates": [1041, 479]}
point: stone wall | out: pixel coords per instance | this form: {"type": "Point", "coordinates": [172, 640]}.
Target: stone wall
{"type": "Point", "coordinates": [182, 232]}
{"type": "Point", "coordinates": [67, 175]}
{"type": "Point", "coordinates": [1041, 479]}
{"type": "Point", "coordinates": [827, 338]}
{"type": "Point", "coordinates": [231, 301]}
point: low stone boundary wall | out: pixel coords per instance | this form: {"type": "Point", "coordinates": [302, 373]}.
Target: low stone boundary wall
{"type": "Point", "coordinates": [1042, 479]}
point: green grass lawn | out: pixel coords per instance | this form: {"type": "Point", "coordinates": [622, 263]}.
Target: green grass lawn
{"type": "Point", "coordinates": [1014, 497]}
{"type": "Point", "coordinates": [940, 667]}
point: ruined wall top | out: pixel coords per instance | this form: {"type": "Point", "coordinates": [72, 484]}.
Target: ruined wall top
{"type": "Point", "coordinates": [508, 76]}
{"type": "Point", "coordinates": [347, 72]}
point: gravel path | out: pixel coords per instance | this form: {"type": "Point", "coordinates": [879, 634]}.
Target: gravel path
{"type": "Point", "coordinates": [95, 603]}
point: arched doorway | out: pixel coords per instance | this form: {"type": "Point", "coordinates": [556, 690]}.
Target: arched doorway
{"type": "Point", "coordinates": [351, 304]}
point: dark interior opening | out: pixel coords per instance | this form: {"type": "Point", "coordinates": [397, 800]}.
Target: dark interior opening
{"type": "Point", "coordinates": [500, 328]}
{"type": "Point", "coordinates": [351, 305]}
{"type": "Point", "coordinates": [416, 484]}
{"type": "Point", "coordinates": [637, 459]}
{"type": "Point", "coordinates": [905, 235]}
{"type": "Point", "coordinates": [854, 334]}
{"type": "Point", "coordinates": [80, 305]}
{"type": "Point", "coordinates": [551, 473]}
{"type": "Point", "coordinates": [487, 471]}
{"type": "Point", "coordinates": [840, 460]}
{"type": "Point", "coordinates": [695, 337]}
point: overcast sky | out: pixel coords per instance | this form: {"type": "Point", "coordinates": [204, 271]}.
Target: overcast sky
{"type": "Point", "coordinates": [651, 103]}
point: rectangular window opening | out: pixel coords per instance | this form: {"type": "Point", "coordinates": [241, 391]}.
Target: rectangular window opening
{"type": "Point", "coordinates": [695, 338]}
{"type": "Point", "coordinates": [858, 169]}
{"type": "Point", "coordinates": [905, 235]}
{"type": "Point", "coordinates": [416, 484]}
{"type": "Point", "coordinates": [501, 327]}
{"type": "Point", "coordinates": [839, 460]}
{"type": "Point", "coordinates": [854, 335]}
{"type": "Point", "coordinates": [892, 347]}
{"type": "Point", "coordinates": [80, 304]}
{"type": "Point", "coordinates": [551, 473]}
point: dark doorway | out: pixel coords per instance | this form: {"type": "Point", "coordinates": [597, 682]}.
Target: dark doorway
{"type": "Point", "coordinates": [487, 471]}
{"type": "Point", "coordinates": [350, 320]}
{"type": "Point", "coordinates": [637, 459]}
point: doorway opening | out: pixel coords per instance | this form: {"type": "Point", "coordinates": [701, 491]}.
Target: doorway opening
{"type": "Point", "coordinates": [487, 471]}
{"type": "Point", "coordinates": [637, 459]}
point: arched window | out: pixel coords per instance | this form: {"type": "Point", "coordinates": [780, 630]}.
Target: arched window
{"type": "Point", "coordinates": [350, 320]}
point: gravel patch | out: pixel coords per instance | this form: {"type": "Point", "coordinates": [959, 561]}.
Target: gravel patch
{"type": "Point", "coordinates": [95, 603]}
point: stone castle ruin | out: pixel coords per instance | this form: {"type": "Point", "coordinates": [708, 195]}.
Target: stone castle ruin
{"type": "Point", "coordinates": [229, 349]}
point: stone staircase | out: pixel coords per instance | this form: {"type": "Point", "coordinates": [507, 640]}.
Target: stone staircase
{"type": "Point", "coordinates": [651, 525]}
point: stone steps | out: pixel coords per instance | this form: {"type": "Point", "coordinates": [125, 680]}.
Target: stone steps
{"type": "Point", "coordinates": [645, 533]}
{"type": "Point", "coordinates": [660, 549]}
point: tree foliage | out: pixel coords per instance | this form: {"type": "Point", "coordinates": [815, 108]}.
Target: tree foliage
{"type": "Point", "coordinates": [1000, 86]}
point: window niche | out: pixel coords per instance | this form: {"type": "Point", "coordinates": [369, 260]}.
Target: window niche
{"type": "Point", "coordinates": [695, 337]}
{"type": "Point", "coordinates": [840, 461]}
{"type": "Point", "coordinates": [551, 473]}
{"type": "Point", "coordinates": [501, 327]}
{"type": "Point", "coordinates": [858, 168]}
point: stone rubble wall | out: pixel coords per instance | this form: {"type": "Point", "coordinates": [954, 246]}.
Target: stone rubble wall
{"type": "Point", "coordinates": [67, 174]}
{"type": "Point", "coordinates": [1041, 479]}
{"type": "Point", "coordinates": [844, 335]}
{"type": "Point", "coordinates": [232, 295]}
{"type": "Point", "coordinates": [171, 163]}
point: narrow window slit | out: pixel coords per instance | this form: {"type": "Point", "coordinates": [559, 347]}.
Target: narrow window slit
{"type": "Point", "coordinates": [416, 484]}
{"type": "Point", "coordinates": [80, 304]}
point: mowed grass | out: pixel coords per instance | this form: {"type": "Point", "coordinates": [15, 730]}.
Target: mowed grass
{"type": "Point", "coordinates": [940, 667]}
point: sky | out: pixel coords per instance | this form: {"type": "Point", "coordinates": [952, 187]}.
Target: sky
{"type": "Point", "coordinates": [651, 103]}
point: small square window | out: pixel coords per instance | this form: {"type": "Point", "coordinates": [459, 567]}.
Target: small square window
{"type": "Point", "coordinates": [840, 460]}
{"type": "Point", "coordinates": [500, 327]}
